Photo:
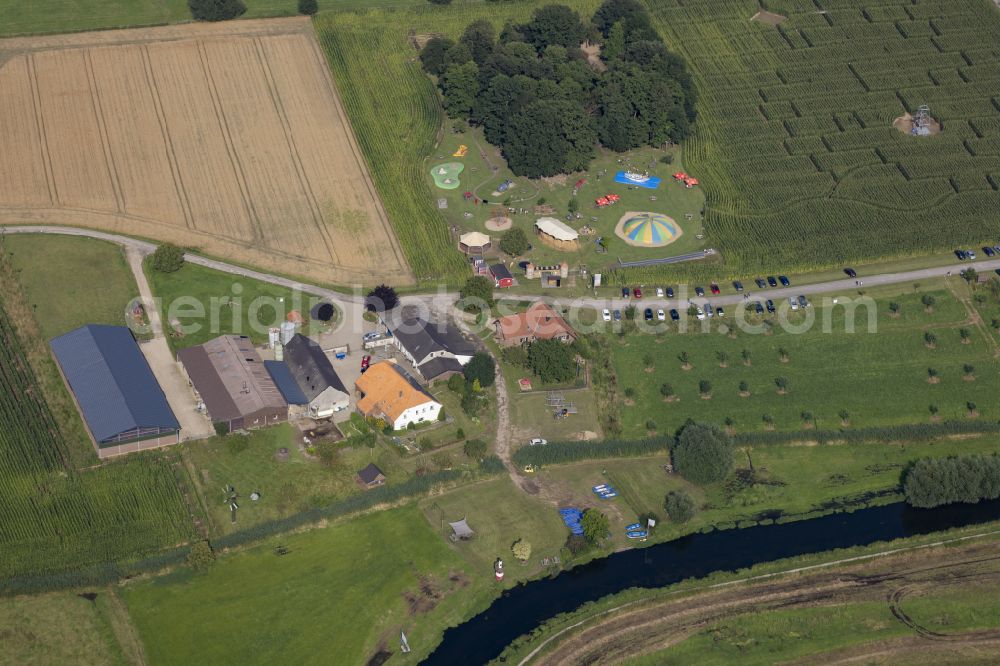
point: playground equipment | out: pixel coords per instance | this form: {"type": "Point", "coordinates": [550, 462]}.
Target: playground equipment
{"type": "Point", "coordinates": [560, 408]}
{"type": "Point", "coordinates": [647, 229]}
{"type": "Point", "coordinates": [637, 179]}
{"type": "Point", "coordinates": [607, 200]}
{"type": "Point", "coordinates": [461, 152]}
{"type": "Point", "coordinates": [922, 121]}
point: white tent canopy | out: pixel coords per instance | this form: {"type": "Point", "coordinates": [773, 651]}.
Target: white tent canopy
{"type": "Point", "coordinates": [474, 239]}
{"type": "Point", "coordinates": [550, 226]}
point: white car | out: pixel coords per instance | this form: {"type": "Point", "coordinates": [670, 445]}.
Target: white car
{"type": "Point", "coordinates": [537, 441]}
{"type": "Point", "coordinates": [793, 303]}
{"type": "Point", "coordinates": [661, 315]}
{"type": "Point", "coordinates": [701, 314]}
{"type": "Point", "coordinates": [659, 292]}
{"type": "Point", "coordinates": [374, 335]}
{"type": "Point", "coordinates": [606, 315]}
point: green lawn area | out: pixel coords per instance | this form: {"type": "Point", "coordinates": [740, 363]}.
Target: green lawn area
{"type": "Point", "coordinates": [499, 514]}
{"type": "Point", "coordinates": [793, 480]}
{"type": "Point", "coordinates": [879, 378]}
{"type": "Point", "coordinates": [209, 303]}
{"type": "Point", "coordinates": [338, 594]}
{"type": "Point", "coordinates": [60, 628]}
{"type": "Point", "coordinates": [672, 199]}
{"type": "Point", "coordinates": [61, 274]}
{"type": "Point", "coordinates": [248, 463]}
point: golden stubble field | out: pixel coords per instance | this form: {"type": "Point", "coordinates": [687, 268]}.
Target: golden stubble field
{"type": "Point", "coordinates": [228, 138]}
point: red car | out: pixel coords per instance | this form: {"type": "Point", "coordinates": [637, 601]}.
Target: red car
{"type": "Point", "coordinates": [365, 362]}
{"type": "Point", "coordinates": [637, 293]}
{"type": "Point", "coordinates": [715, 288]}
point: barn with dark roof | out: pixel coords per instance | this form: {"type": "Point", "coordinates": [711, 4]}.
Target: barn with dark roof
{"type": "Point", "coordinates": [119, 398]}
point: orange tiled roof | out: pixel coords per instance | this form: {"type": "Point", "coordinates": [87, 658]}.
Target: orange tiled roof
{"type": "Point", "coordinates": [540, 321]}
{"type": "Point", "coordinates": [387, 391]}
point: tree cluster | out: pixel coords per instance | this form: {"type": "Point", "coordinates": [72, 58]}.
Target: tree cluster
{"type": "Point", "coordinates": [932, 482]}
{"type": "Point", "coordinates": [216, 10]}
{"type": "Point", "coordinates": [703, 454]}
{"type": "Point", "coordinates": [536, 96]}
{"type": "Point", "coordinates": [167, 258]}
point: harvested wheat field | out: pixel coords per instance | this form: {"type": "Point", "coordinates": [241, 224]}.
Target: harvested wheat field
{"type": "Point", "coordinates": [226, 138]}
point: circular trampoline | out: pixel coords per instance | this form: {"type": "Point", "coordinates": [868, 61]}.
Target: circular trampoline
{"type": "Point", "coordinates": [647, 229]}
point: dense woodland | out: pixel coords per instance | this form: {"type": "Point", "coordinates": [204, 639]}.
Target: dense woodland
{"type": "Point", "coordinates": [536, 96]}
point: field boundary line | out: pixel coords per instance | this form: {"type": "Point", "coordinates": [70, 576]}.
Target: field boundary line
{"type": "Point", "coordinates": [168, 142]}
{"type": "Point", "coordinates": [102, 129]}
{"type": "Point", "coordinates": [43, 140]}
{"type": "Point", "coordinates": [359, 158]}
{"type": "Point", "coordinates": [739, 581]}
{"type": "Point", "coordinates": [293, 151]}
{"type": "Point", "coordinates": [234, 160]}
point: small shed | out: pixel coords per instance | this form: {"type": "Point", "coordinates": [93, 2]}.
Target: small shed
{"type": "Point", "coordinates": [474, 242]}
{"type": "Point", "coordinates": [371, 476]}
{"type": "Point", "coordinates": [461, 530]}
{"type": "Point", "coordinates": [502, 277]}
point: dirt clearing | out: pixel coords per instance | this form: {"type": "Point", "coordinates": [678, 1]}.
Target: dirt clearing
{"type": "Point", "coordinates": [226, 138]}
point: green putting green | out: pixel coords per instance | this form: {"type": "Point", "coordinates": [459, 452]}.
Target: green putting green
{"type": "Point", "coordinates": [446, 175]}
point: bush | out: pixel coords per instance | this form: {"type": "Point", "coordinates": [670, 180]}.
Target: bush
{"type": "Point", "coordinates": [552, 360]}
{"type": "Point", "coordinates": [491, 465]}
{"type": "Point", "coordinates": [201, 556]}
{"type": "Point", "coordinates": [481, 367]}
{"type": "Point", "coordinates": [514, 242]}
{"type": "Point", "coordinates": [456, 384]}
{"type": "Point", "coordinates": [704, 453]}
{"type": "Point", "coordinates": [932, 482]}
{"type": "Point", "coordinates": [521, 550]}
{"type": "Point", "coordinates": [168, 258]}
{"type": "Point", "coordinates": [679, 506]}
{"type": "Point", "coordinates": [475, 449]}
{"type": "Point", "coordinates": [308, 7]}
{"type": "Point", "coordinates": [516, 356]}
{"type": "Point", "coordinates": [221, 428]}
{"type": "Point", "coordinates": [216, 10]}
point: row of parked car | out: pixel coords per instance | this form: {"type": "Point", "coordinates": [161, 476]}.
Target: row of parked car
{"type": "Point", "coordinates": [969, 255]}
{"type": "Point", "coordinates": [668, 292]}
{"type": "Point", "coordinates": [706, 310]}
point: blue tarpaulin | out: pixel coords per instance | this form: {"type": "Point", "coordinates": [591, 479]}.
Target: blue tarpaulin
{"type": "Point", "coordinates": [629, 178]}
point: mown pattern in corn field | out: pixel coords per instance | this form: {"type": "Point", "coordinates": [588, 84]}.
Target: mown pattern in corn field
{"type": "Point", "coordinates": [795, 143]}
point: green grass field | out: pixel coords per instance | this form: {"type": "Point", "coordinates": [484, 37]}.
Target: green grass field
{"type": "Point", "coordinates": [794, 141]}
{"type": "Point", "coordinates": [340, 593]}
{"type": "Point", "coordinates": [61, 628]}
{"type": "Point", "coordinates": [672, 200]}
{"type": "Point", "coordinates": [879, 378]}
{"type": "Point", "coordinates": [59, 274]}
{"type": "Point", "coordinates": [248, 463]}
{"type": "Point", "coordinates": [793, 480]}
{"type": "Point", "coordinates": [208, 303]}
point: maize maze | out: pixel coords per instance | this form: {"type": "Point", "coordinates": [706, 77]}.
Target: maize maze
{"type": "Point", "coordinates": [795, 145]}
{"type": "Point", "coordinates": [56, 518]}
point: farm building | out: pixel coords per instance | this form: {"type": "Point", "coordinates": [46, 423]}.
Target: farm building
{"type": "Point", "coordinates": [501, 276]}
{"type": "Point", "coordinates": [229, 377]}
{"type": "Point", "coordinates": [290, 391]}
{"type": "Point", "coordinates": [315, 375]}
{"type": "Point", "coordinates": [557, 234]}
{"type": "Point", "coordinates": [388, 392]}
{"type": "Point", "coordinates": [539, 322]}
{"type": "Point", "coordinates": [371, 476]}
{"type": "Point", "coordinates": [118, 396]}
{"type": "Point", "coordinates": [435, 348]}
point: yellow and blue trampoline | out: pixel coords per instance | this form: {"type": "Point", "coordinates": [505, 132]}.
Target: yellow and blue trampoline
{"type": "Point", "coordinates": [648, 229]}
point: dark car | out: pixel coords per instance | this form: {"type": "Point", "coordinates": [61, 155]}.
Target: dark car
{"type": "Point", "coordinates": [675, 315]}
{"type": "Point", "coordinates": [709, 312]}
{"type": "Point", "coordinates": [772, 281]}
{"type": "Point", "coordinates": [670, 292]}
{"type": "Point", "coordinates": [714, 287]}
{"type": "Point", "coordinates": [699, 291]}
{"type": "Point", "coordinates": [760, 283]}
{"type": "Point", "coordinates": [637, 292]}
{"type": "Point", "coordinates": [737, 285]}
{"type": "Point", "coordinates": [618, 315]}
{"type": "Point", "coordinates": [961, 254]}
{"type": "Point", "coordinates": [758, 308]}
{"type": "Point", "coordinates": [988, 251]}
{"type": "Point", "coordinates": [803, 302]}
{"type": "Point", "coordinates": [647, 314]}
{"type": "Point", "coordinates": [625, 292]}
{"type": "Point", "coordinates": [770, 305]}
{"type": "Point", "coordinates": [851, 273]}
{"type": "Point", "coordinates": [783, 280]}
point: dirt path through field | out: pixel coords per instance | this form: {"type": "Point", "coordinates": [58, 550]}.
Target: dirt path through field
{"type": "Point", "coordinates": [646, 626]}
